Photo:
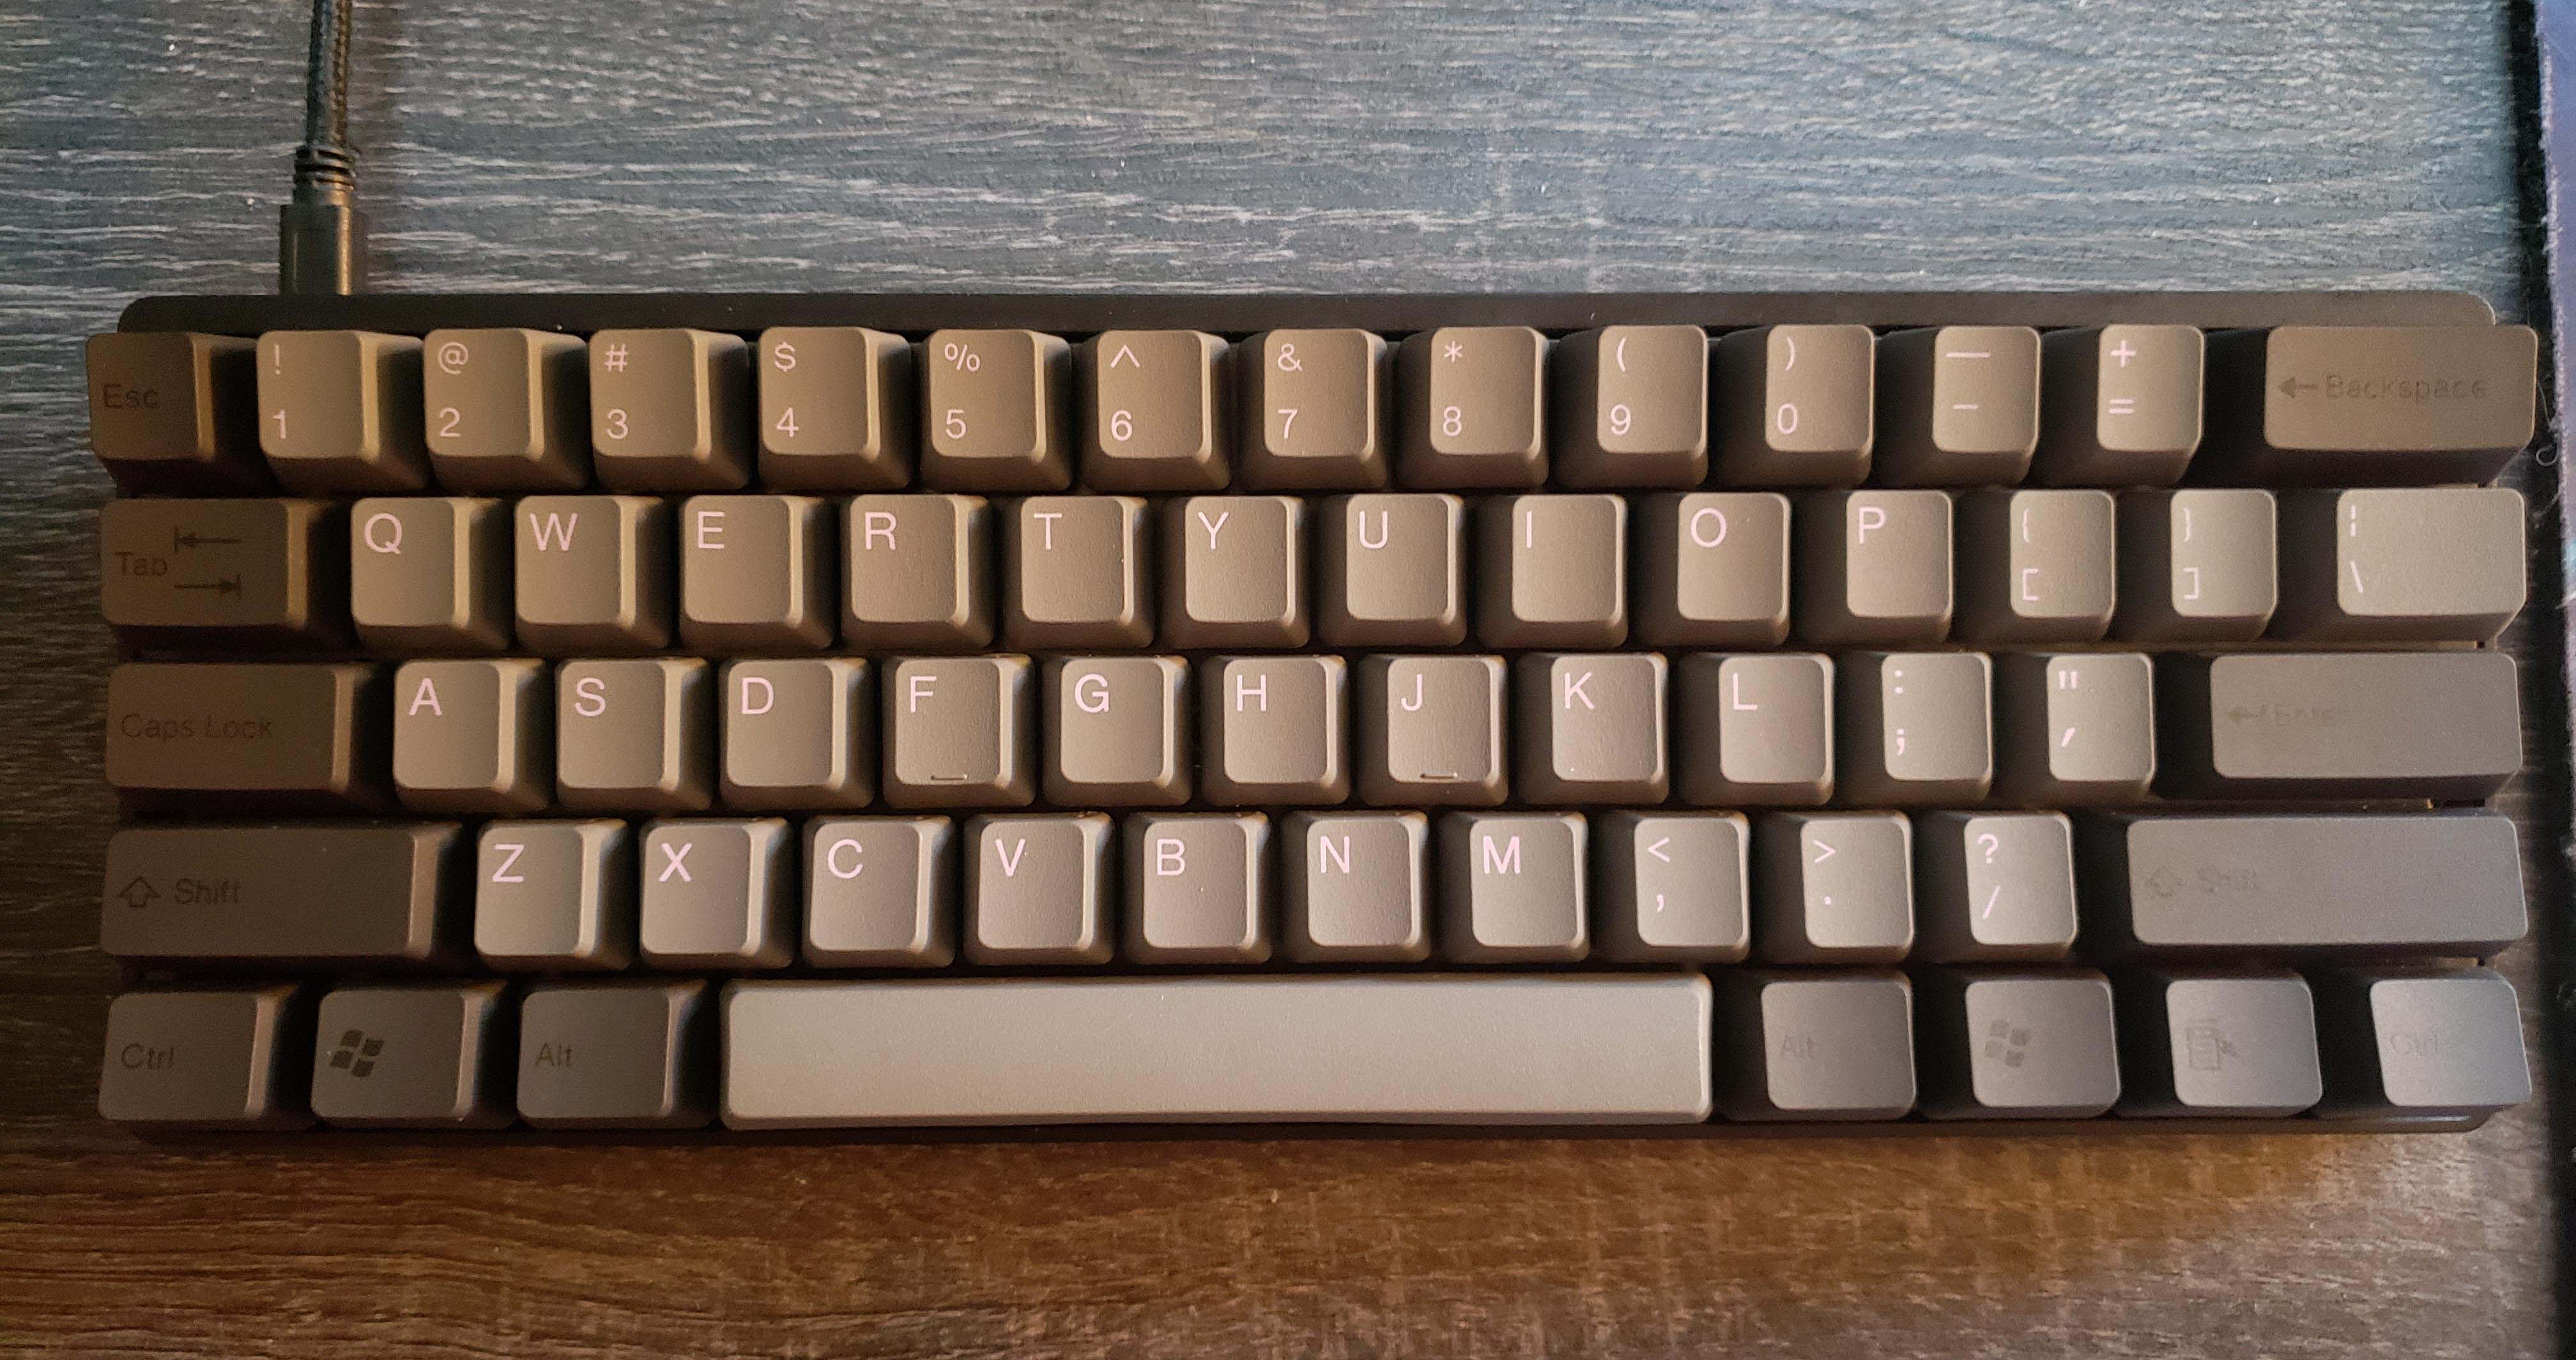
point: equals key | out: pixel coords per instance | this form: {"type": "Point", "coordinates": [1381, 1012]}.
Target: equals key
{"type": "Point", "coordinates": [186, 573]}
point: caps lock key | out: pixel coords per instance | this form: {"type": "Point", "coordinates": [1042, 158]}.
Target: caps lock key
{"type": "Point", "coordinates": [258, 736]}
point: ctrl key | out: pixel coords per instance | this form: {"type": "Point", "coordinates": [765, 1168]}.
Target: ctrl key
{"type": "Point", "coordinates": [2419, 1041]}
{"type": "Point", "coordinates": [206, 1060]}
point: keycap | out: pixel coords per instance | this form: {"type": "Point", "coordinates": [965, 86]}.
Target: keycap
{"type": "Point", "coordinates": [1196, 888]}
{"type": "Point", "coordinates": [756, 573]}
{"type": "Point", "coordinates": [2195, 566]}
{"type": "Point", "coordinates": [1807, 1045]}
{"type": "Point", "coordinates": [474, 736]}
{"type": "Point", "coordinates": [260, 736]}
{"type": "Point", "coordinates": [377, 892]}
{"type": "Point", "coordinates": [995, 411]}
{"type": "Point", "coordinates": [1671, 887]}
{"type": "Point", "coordinates": [1994, 886]}
{"type": "Point", "coordinates": [2339, 725]}
{"type": "Point", "coordinates": [207, 1059]}
{"type": "Point", "coordinates": [1957, 405]}
{"type": "Point", "coordinates": [919, 573]}
{"type": "Point", "coordinates": [1354, 887]}
{"type": "Point", "coordinates": [1630, 407]}
{"type": "Point", "coordinates": [717, 893]}
{"type": "Point", "coordinates": [1795, 405]}
{"type": "Point", "coordinates": [1475, 401]}
{"type": "Point", "coordinates": [2035, 566]}
{"type": "Point", "coordinates": [880, 892]}
{"type": "Point", "coordinates": [175, 412]}
{"type": "Point", "coordinates": [508, 409]}
{"type": "Point", "coordinates": [798, 733]}
{"type": "Point", "coordinates": [429, 1057]}
{"type": "Point", "coordinates": [2074, 727]}
{"type": "Point", "coordinates": [1117, 731]}
{"type": "Point", "coordinates": [1873, 567]}
{"type": "Point", "coordinates": [2418, 564]}
{"type": "Point", "coordinates": [1553, 571]}
{"type": "Point", "coordinates": [2181, 886]}
{"type": "Point", "coordinates": [1392, 571]}
{"type": "Point", "coordinates": [1712, 570]}
{"type": "Point", "coordinates": [960, 732]}
{"type": "Point", "coordinates": [247, 573]}
{"type": "Point", "coordinates": [1273, 731]}
{"type": "Point", "coordinates": [593, 574]}
{"type": "Point", "coordinates": [1592, 728]}
{"type": "Point", "coordinates": [2120, 405]}
{"type": "Point", "coordinates": [1035, 892]}
{"type": "Point", "coordinates": [836, 408]}
{"type": "Point", "coordinates": [340, 411]}
{"type": "Point", "coordinates": [1431, 731]}
{"type": "Point", "coordinates": [2240, 1044]}
{"type": "Point", "coordinates": [1833, 887]}
{"type": "Point", "coordinates": [1153, 411]}
{"type": "Point", "coordinates": [669, 410]}
{"type": "Point", "coordinates": [1074, 573]}
{"type": "Point", "coordinates": [2369, 405]}
{"type": "Point", "coordinates": [430, 574]}
{"type": "Point", "coordinates": [1753, 730]}
{"type": "Point", "coordinates": [2002, 1043]}
{"type": "Point", "coordinates": [1512, 888]}
{"type": "Point", "coordinates": [1234, 572]}
{"type": "Point", "coordinates": [1333, 1049]}
{"type": "Point", "coordinates": [555, 895]}
{"type": "Point", "coordinates": [617, 1055]}
{"type": "Point", "coordinates": [1314, 411]}
{"type": "Point", "coordinates": [2417, 1040]}
{"type": "Point", "coordinates": [635, 735]}
{"type": "Point", "coordinates": [1914, 727]}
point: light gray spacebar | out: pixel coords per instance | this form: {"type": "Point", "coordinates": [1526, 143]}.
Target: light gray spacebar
{"type": "Point", "coordinates": [1381, 1050]}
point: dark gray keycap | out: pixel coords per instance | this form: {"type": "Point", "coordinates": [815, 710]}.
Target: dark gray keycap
{"type": "Point", "coordinates": [205, 1059]}
{"type": "Point", "coordinates": [2339, 725]}
{"type": "Point", "coordinates": [340, 411]}
{"type": "Point", "coordinates": [756, 573]}
{"type": "Point", "coordinates": [670, 410]}
{"type": "Point", "coordinates": [2413, 564]}
{"type": "Point", "coordinates": [960, 732]}
{"type": "Point", "coordinates": [1153, 411]}
{"type": "Point", "coordinates": [1197, 888]}
{"type": "Point", "coordinates": [2016, 1043]}
{"type": "Point", "coordinates": [1592, 728]}
{"type": "Point", "coordinates": [430, 574]}
{"type": "Point", "coordinates": [175, 411]}
{"type": "Point", "coordinates": [1672, 887]}
{"type": "Point", "coordinates": [1431, 731]}
{"type": "Point", "coordinates": [880, 892]}
{"type": "Point", "coordinates": [1754, 730]}
{"type": "Point", "coordinates": [1874, 567]}
{"type": "Point", "coordinates": [635, 736]}
{"type": "Point", "coordinates": [1234, 572]}
{"type": "Point", "coordinates": [2120, 405]}
{"type": "Point", "coordinates": [2195, 566]}
{"type": "Point", "coordinates": [2074, 727]}
{"type": "Point", "coordinates": [309, 736]}
{"type": "Point", "coordinates": [374, 893]}
{"type": "Point", "coordinates": [1630, 407]}
{"type": "Point", "coordinates": [1117, 731]}
{"type": "Point", "coordinates": [1037, 889]}
{"type": "Point", "coordinates": [1914, 727]}
{"type": "Point", "coordinates": [1795, 405]}
{"type": "Point", "coordinates": [836, 408]}
{"type": "Point", "coordinates": [1957, 405]}
{"type": "Point", "coordinates": [555, 896]}
{"type": "Point", "coordinates": [508, 409]}
{"type": "Point", "coordinates": [2419, 1040]}
{"type": "Point", "coordinates": [1393, 571]}
{"type": "Point", "coordinates": [2370, 405]}
{"type": "Point", "coordinates": [430, 1057]}
{"type": "Point", "coordinates": [799, 733]}
{"type": "Point", "coordinates": [474, 736]}
{"type": "Point", "coordinates": [1512, 888]}
{"type": "Point", "coordinates": [1274, 730]}
{"type": "Point", "coordinates": [617, 1055]}
{"type": "Point", "coordinates": [1075, 573]}
{"type": "Point", "coordinates": [229, 573]}
{"type": "Point", "coordinates": [1814, 1045]}
{"type": "Point", "coordinates": [1833, 887]}
{"type": "Point", "coordinates": [1713, 570]}
{"type": "Point", "coordinates": [594, 574]}
{"type": "Point", "coordinates": [995, 411]}
{"type": "Point", "coordinates": [1994, 886]}
{"type": "Point", "coordinates": [2035, 566]}
{"type": "Point", "coordinates": [1355, 888]}
{"type": "Point", "coordinates": [919, 573]}
{"type": "Point", "coordinates": [2354, 884]}
{"type": "Point", "coordinates": [1314, 410]}
{"type": "Point", "coordinates": [1475, 400]}
{"type": "Point", "coordinates": [1553, 571]}
{"type": "Point", "coordinates": [2240, 1044]}
{"type": "Point", "coordinates": [717, 894]}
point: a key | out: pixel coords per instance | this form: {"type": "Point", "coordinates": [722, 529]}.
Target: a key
{"type": "Point", "coordinates": [1273, 731]}
{"type": "Point", "coordinates": [2195, 566]}
{"type": "Point", "coordinates": [1713, 570]}
{"type": "Point", "coordinates": [555, 896]}
{"type": "Point", "coordinates": [1630, 407]}
{"type": "Point", "coordinates": [1074, 573]}
{"type": "Point", "coordinates": [207, 1059]}
{"type": "Point", "coordinates": [2035, 566]}
{"type": "Point", "coordinates": [1833, 887]}
{"type": "Point", "coordinates": [1431, 731]}
{"type": "Point", "coordinates": [1994, 887]}
{"type": "Point", "coordinates": [1356, 887]}
{"type": "Point", "coordinates": [1153, 411]}
{"type": "Point", "coordinates": [473, 736]}
{"type": "Point", "coordinates": [756, 573]}
{"type": "Point", "coordinates": [593, 574]}
{"type": "Point", "coordinates": [1234, 572]}
{"type": "Point", "coordinates": [2339, 725]}
{"type": "Point", "coordinates": [1197, 888]}
{"type": "Point", "coordinates": [373, 893]}
{"type": "Point", "coordinates": [257, 736]}
{"type": "Point", "coordinates": [2120, 405]}
{"type": "Point", "coordinates": [196, 573]}
{"type": "Point", "coordinates": [1314, 410]}
{"type": "Point", "coordinates": [1592, 728]}
{"type": "Point", "coordinates": [1118, 731]}
{"type": "Point", "coordinates": [919, 573]}
{"type": "Point", "coordinates": [1672, 887]}
{"type": "Point", "coordinates": [2240, 1044]}
{"type": "Point", "coordinates": [1475, 401]}
{"type": "Point", "coordinates": [2074, 727]}
{"type": "Point", "coordinates": [1957, 406]}
{"type": "Point", "coordinates": [1809, 1045]}
{"type": "Point", "coordinates": [175, 411]}
{"type": "Point", "coordinates": [425, 1057]}
{"type": "Point", "coordinates": [1554, 571]}
{"type": "Point", "coordinates": [798, 733]}
{"type": "Point", "coordinates": [1754, 730]}
{"type": "Point", "coordinates": [994, 411]}
{"type": "Point", "coordinates": [1393, 571]}
{"type": "Point", "coordinates": [508, 409]}
{"type": "Point", "coordinates": [1036, 890]}
{"type": "Point", "coordinates": [340, 411]}
{"type": "Point", "coordinates": [669, 410]}
{"type": "Point", "coordinates": [2369, 405]}
{"type": "Point", "coordinates": [2016, 1043]}
{"type": "Point", "coordinates": [430, 574]}
{"type": "Point", "coordinates": [617, 1055]}
{"type": "Point", "coordinates": [2415, 1040]}
{"type": "Point", "coordinates": [960, 732]}
{"type": "Point", "coordinates": [1511, 888]}
{"type": "Point", "coordinates": [836, 408]}
{"type": "Point", "coordinates": [2418, 564]}
{"type": "Point", "coordinates": [1874, 567]}
{"type": "Point", "coordinates": [1795, 405]}
{"type": "Point", "coordinates": [717, 894]}
{"type": "Point", "coordinates": [879, 892]}
{"type": "Point", "coordinates": [1914, 727]}
{"type": "Point", "coordinates": [634, 735]}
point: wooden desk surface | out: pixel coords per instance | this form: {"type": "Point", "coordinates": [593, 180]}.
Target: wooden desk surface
{"type": "Point", "coordinates": [2187, 143]}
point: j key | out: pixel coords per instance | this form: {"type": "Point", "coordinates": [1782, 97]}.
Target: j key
{"type": "Point", "coordinates": [508, 410]}
{"type": "Point", "coordinates": [920, 573]}
{"type": "Point", "coordinates": [1957, 405]}
{"type": "Point", "coordinates": [340, 411]}
{"type": "Point", "coordinates": [1994, 886]}
{"type": "Point", "coordinates": [960, 732]}
{"type": "Point", "coordinates": [2074, 727]}
{"type": "Point", "coordinates": [2235, 1044]}
{"type": "Point", "coordinates": [2036, 566]}
{"type": "Point", "coordinates": [756, 572]}
{"type": "Point", "coordinates": [2121, 405]}
{"type": "Point", "coordinates": [1314, 411]}
{"type": "Point", "coordinates": [1811, 1045]}
{"type": "Point", "coordinates": [1672, 887]}
{"type": "Point", "coordinates": [1355, 887]}
{"type": "Point", "coordinates": [2016, 1044]}
{"type": "Point", "coordinates": [427, 1057]}
{"type": "Point", "coordinates": [1196, 889]}
{"type": "Point", "coordinates": [430, 574]}
{"type": "Point", "coordinates": [205, 1059]}
{"type": "Point", "coordinates": [372, 893]}
{"type": "Point", "coordinates": [1117, 731]}
{"type": "Point", "coordinates": [175, 411]}
{"type": "Point", "coordinates": [1393, 571]}
{"type": "Point", "coordinates": [555, 896]}
{"type": "Point", "coordinates": [1914, 727]}
{"type": "Point", "coordinates": [835, 408]}
{"type": "Point", "coordinates": [799, 733]}
{"type": "Point", "coordinates": [994, 411]}
{"type": "Point", "coordinates": [1592, 728]}
{"type": "Point", "coordinates": [1274, 729]}
{"type": "Point", "coordinates": [1431, 731]}
{"type": "Point", "coordinates": [1474, 407]}
{"type": "Point", "coordinates": [1833, 887]}
{"type": "Point", "coordinates": [1874, 566]}
{"type": "Point", "coordinates": [2419, 1041]}
{"type": "Point", "coordinates": [2421, 564]}
{"type": "Point", "coordinates": [717, 894]}
{"type": "Point", "coordinates": [474, 736]}
{"type": "Point", "coordinates": [1074, 573]}
{"type": "Point", "coordinates": [252, 735]}
{"type": "Point", "coordinates": [1153, 411]}
{"type": "Point", "coordinates": [2195, 566]}
{"type": "Point", "coordinates": [2370, 405]}
{"type": "Point", "coordinates": [1511, 888]}
{"type": "Point", "coordinates": [1036, 889]}
{"type": "Point", "coordinates": [880, 892]}
{"type": "Point", "coordinates": [2348, 725]}
{"type": "Point", "coordinates": [1713, 570]}
{"type": "Point", "coordinates": [1554, 571]}
{"type": "Point", "coordinates": [669, 410]}
{"type": "Point", "coordinates": [1234, 572]}
{"type": "Point", "coordinates": [594, 573]}
{"type": "Point", "coordinates": [634, 735]}
{"type": "Point", "coordinates": [1754, 730]}
{"type": "Point", "coordinates": [1795, 405]}
{"type": "Point", "coordinates": [184, 573]}
{"type": "Point", "coordinates": [617, 1055]}
{"type": "Point", "coordinates": [1631, 407]}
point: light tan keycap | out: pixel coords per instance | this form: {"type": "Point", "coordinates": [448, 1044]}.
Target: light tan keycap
{"type": "Point", "coordinates": [880, 892]}
{"type": "Point", "coordinates": [919, 573]}
{"type": "Point", "coordinates": [799, 733]}
{"type": "Point", "coordinates": [1234, 572]}
{"type": "Point", "coordinates": [430, 574]}
{"type": "Point", "coordinates": [1074, 573]}
{"type": "Point", "coordinates": [836, 408]}
{"type": "Point", "coordinates": [1712, 570]}
{"type": "Point", "coordinates": [1914, 727]}
{"type": "Point", "coordinates": [756, 573]}
{"type": "Point", "coordinates": [206, 1059]}
{"type": "Point", "coordinates": [1117, 731]}
{"type": "Point", "coordinates": [1833, 887]}
{"type": "Point", "coordinates": [2074, 727]}
{"type": "Point", "coordinates": [1754, 730]}
{"type": "Point", "coordinates": [1153, 411]}
{"type": "Point", "coordinates": [2369, 405]}
{"type": "Point", "coordinates": [1512, 888]}
{"type": "Point", "coordinates": [2035, 566]}
{"type": "Point", "coordinates": [1475, 401]}
{"type": "Point", "coordinates": [1631, 407]}
{"type": "Point", "coordinates": [960, 732]}
{"type": "Point", "coordinates": [1672, 887]}
{"type": "Point", "coordinates": [995, 411]}
{"type": "Point", "coordinates": [1796, 405]}
{"type": "Point", "coordinates": [593, 573]}
{"type": "Point", "coordinates": [189, 573]}
{"type": "Point", "coordinates": [1314, 411]}
{"type": "Point", "coordinates": [1957, 405]}
{"type": "Point", "coordinates": [1431, 731]}
{"type": "Point", "coordinates": [474, 736]}
{"type": "Point", "coordinates": [717, 894]}
{"type": "Point", "coordinates": [1036, 889]}
{"type": "Point", "coordinates": [1197, 888]}
{"type": "Point", "coordinates": [617, 1055]}
{"type": "Point", "coordinates": [1592, 728]}
{"type": "Point", "coordinates": [1554, 571]}
{"type": "Point", "coordinates": [554, 895]}
{"type": "Point", "coordinates": [670, 410]}
{"type": "Point", "coordinates": [175, 411]}
{"type": "Point", "coordinates": [247, 735]}
{"type": "Point", "coordinates": [252, 893]}
{"type": "Point", "coordinates": [2445, 725]}
{"type": "Point", "coordinates": [1393, 573]}
{"type": "Point", "coordinates": [2120, 407]}
{"type": "Point", "coordinates": [1995, 886]}
{"type": "Point", "coordinates": [2195, 566]}
{"type": "Point", "coordinates": [1357, 889]}
{"type": "Point", "coordinates": [508, 409]}
{"type": "Point", "coordinates": [340, 411]}
{"type": "Point", "coordinates": [634, 735]}
{"type": "Point", "coordinates": [1273, 731]}
{"type": "Point", "coordinates": [433, 1057]}
{"type": "Point", "coordinates": [1873, 566]}
{"type": "Point", "coordinates": [2413, 564]}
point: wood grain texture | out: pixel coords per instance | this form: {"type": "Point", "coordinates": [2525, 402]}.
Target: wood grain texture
{"type": "Point", "coordinates": [1282, 144]}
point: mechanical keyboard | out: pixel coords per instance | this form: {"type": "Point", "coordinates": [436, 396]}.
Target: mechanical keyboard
{"type": "Point", "coordinates": [1674, 713]}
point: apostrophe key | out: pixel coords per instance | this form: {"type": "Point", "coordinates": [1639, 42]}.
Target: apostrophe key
{"type": "Point", "coordinates": [339, 411]}
{"type": "Point", "coordinates": [670, 410]}
{"type": "Point", "coordinates": [196, 573]}
{"type": "Point", "coordinates": [175, 412]}
{"type": "Point", "coordinates": [507, 410]}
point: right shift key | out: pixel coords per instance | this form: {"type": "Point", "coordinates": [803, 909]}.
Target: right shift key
{"type": "Point", "coordinates": [2434, 725]}
{"type": "Point", "coordinates": [2369, 405]}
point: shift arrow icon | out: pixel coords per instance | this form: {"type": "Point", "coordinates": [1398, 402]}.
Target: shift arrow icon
{"type": "Point", "coordinates": [139, 893]}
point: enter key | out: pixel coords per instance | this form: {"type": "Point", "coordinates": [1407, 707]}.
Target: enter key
{"type": "Point", "coordinates": [2435, 725]}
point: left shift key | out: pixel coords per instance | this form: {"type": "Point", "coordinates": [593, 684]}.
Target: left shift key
{"type": "Point", "coordinates": [242, 737]}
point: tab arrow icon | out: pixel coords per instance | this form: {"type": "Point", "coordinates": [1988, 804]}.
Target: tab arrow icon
{"type": "Point", "coordinates": [138, 893]}
{"type": "Point", "coordinates": [1657, 849]}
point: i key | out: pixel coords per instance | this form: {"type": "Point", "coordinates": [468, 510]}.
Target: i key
{"type": "Point", "coordinates": [1555, 571]}
{"type": "Point", "coordinates": [508, 410]}
{"type": "Point", "coordinates": [755, 573]}
{"type": "Point", "coordinates": [1957, 405]}
{"type": "Point", "coordinates": [340, 411]}
{"type": "Point", "coordinates": [1314, 410]}
{"type": "Point", "coordinates": [994, 411]}
{"type": "Point", "coordinates": [1152, 411]}
{"type": "Point", "coordinates": [1631, 407]}
{"type": "Point", "coordinates": [1795, 405]}
{"type": "Point", "coordinates": [1474, 401]}
{"type": "Point", "coordinates": [668, 410]}
{"type": "Point", "coordinates": [835, 408]}
{"type": "Point", "coordinates": [2120, 405]}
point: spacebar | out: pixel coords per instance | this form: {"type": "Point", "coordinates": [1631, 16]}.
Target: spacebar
{"type": "Point", "coordinates": [1388, 1050]}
